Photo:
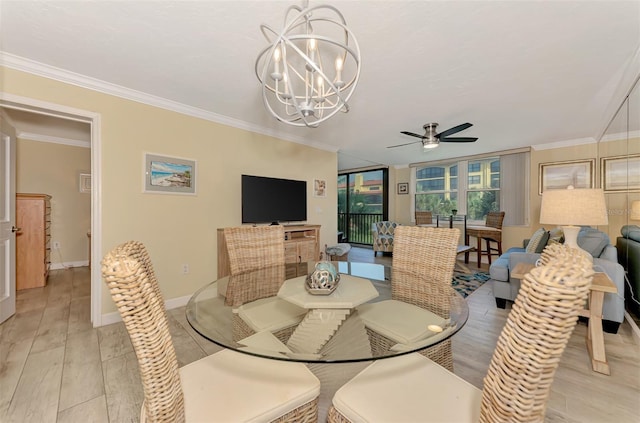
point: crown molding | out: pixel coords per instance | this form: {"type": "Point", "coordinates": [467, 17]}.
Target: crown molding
{"type": "Point", "coordinates": [40, 69]}
{"type": "Point", "coordinates": [567, 143]}
{"type": "Point", "coordinates": [56, 140]}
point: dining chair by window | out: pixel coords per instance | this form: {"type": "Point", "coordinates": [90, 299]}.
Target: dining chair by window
{"type": "Point", "coordinates": [490, 232]}
{"type": "Point", "coordinates": [421, 274]}
{"type": "Point", "coordinates": [424, 218]}
{"type": "Point", "coordinates": [261, 249]}
{"type": "Point", "coordinates": [518, 382]}
{"type": "Point", "coordinates": [225, 386]}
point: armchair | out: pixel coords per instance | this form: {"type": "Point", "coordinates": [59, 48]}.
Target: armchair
{"type": "Point", "coordinates": [383, 236]}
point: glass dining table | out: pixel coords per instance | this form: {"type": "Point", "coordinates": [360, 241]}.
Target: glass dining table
{"type": "Point", "coordinates": [270, 313]}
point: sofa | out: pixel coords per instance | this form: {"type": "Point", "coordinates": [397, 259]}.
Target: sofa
{"type": "Point", "coordinates": [597, 243]}
{"type": "Point", "coordinates": [628, 246]}
{"type": "Point", "coordinates": [383, 236]}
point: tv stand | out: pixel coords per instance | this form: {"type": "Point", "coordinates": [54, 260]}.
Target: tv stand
{"type": "Point", "coordinates": [301, 244]}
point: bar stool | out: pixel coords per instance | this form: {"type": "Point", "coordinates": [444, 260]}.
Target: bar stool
{"type": "Point", "coordinates": [490, 232]}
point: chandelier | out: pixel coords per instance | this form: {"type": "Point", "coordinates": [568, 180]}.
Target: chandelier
{"type": "Point", "coordinates": [310, 69]}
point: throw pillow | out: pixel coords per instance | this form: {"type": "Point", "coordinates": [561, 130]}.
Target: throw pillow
{"type": "Point", "coordinates": [592, 240]}
{"type": "Point", "coordinates": [543, 242]}
{"type": "Point", "coordinates": [537, 236]}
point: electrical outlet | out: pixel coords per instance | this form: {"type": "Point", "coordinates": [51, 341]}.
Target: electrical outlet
{"type": "Point", "coordinates": [185, 269]}
{"type": "Point", "coordinates": [56, 245]}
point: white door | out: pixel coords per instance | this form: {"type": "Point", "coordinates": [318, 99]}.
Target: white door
{"type": "Point", "coordinates": [7, 220]}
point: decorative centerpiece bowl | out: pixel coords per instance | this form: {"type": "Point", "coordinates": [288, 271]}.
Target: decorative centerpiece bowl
{"type": "Point", "coordinates": [323, 280]}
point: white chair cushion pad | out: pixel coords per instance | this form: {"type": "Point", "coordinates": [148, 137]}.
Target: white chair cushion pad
{"type": "Point", "coordinates": [271, 314]}
{"type": "Point", "coordinates": [409, 388]}
{"type": "Point", "coordinates": [404, 323]}
{"type": "Point", "coordinates": [233, 387]}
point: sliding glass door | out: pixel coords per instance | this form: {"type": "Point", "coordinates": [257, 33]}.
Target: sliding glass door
{"type": "Point", "coordinates": [362, 200]}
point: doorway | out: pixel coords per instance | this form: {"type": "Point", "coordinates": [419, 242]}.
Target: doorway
{"type": "Point", "coordinates": [49, 112]}
{"type": "Point", "coordinates": [362, 200]}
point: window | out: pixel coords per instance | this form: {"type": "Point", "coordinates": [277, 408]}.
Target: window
{"type": "Point", "coordinates": [475, 187]}
{"type": "Point", "coordinates": [483, 189]}
{"type": "Point", "coordinates": [437, 188]}
{"type": "Point", "coordinates": [362, 200]}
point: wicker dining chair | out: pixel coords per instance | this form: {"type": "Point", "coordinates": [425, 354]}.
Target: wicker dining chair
{"type": "Point", "coordinates": [429, 253]}
{"type": "Point", "coordinates": [518, 382]}
{"type": "Point", "coordinates": [259, 249]}
{"type": "Point", "coordinates": [225, 386]}
{"type": "Point", "coordinates": [254, 247]}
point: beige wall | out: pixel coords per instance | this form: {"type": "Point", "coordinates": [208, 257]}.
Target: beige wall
{"type": "Point", "coordinates": [47, 168]}
{"type": "Point", "coordinates": [402, 208]}
{"type": "Point", "coordinates": [514, 235]}
{"type": "Point", "coordinates": [180, 229]}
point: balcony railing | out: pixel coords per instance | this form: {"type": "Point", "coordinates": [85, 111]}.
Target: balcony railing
{"type": "Point", "coordinates": [356, 227]}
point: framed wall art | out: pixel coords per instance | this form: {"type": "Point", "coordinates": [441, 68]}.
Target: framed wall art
{"type": "Point", "coordinates": [559, 175]}
{"type": "Point", "coordinates": [621, 173]}
{"type": "Point", "coordinates": [319, 188]}
{"type": "Point", "coordinates": [403, 188]}
{"type": "Point", "coordinates": [169, 175]}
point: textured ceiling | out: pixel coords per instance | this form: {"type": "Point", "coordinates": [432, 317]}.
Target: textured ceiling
{"type": "Point", "coordinates": [524, 73]}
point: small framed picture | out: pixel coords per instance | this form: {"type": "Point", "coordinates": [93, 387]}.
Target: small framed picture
{"type": "Point", "coordinates": [169, 175]}
{"type": "Point", "coordinates": [403, 188]}
{"type": "Point", "coordinates": [319, 188]}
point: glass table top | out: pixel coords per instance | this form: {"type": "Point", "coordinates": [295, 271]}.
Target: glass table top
{"type": "Point", "coordinates": [269, 313]}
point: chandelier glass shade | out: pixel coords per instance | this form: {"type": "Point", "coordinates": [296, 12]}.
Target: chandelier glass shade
{"type": "Point", "coordinates": [310, 68]}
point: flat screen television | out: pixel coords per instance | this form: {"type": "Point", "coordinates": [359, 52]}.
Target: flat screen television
{"type": "Point", "coordinates": [273, 200]}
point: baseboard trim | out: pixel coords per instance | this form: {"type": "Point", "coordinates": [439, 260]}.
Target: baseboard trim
{"type": "Point", "coordinates": [68, 265]}
{"type": "Point", "coordinates": [114, 317]}
{"type": "Point", "coordinates": [634, 327]}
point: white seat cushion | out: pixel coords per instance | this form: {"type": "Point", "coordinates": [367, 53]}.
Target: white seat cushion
{"type": "Point", "coordinates": [409, 388]}
{"type": "Point", "coordinates": [271, 314]}
{"type": "Point", "coordinates": [233, 387]}
{"type": "Point", "coordinates": [404, 323]}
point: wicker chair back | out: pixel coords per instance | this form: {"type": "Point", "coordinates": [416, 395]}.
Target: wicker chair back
{"type": "Point", "coordinates": [251, 248]}
{"type": "Point", "coordinates": [424, 218]}
{"type": "Point", "coordinates": [518, 382]}
{"type": "Point", "coordinates": [129, 275]}
{"type": "Point", "coordinates": [494, 220]}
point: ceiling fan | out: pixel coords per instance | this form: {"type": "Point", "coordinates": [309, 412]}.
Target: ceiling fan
{"type": "Point", "coordinates": [432, 139]}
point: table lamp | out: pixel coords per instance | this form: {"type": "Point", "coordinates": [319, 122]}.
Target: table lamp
{"type": "Point", "coordinates": [571, 208]}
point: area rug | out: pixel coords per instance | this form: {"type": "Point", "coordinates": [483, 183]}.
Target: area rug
{"type": "Point", "coordinates": [465, 284]}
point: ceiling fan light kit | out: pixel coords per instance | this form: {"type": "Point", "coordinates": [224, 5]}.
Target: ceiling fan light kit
{"type": "Point", "coordinates": [431, 139]}
{"type": "Point", "coordinates": [310, 68]}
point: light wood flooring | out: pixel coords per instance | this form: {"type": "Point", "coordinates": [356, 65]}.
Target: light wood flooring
{"type": "Point", "coordinates": [54, 367]}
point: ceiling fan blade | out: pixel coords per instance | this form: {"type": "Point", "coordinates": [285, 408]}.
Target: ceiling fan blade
{"type": "Point", "coordinates": [453, 130]}
{"type": "Point", "coordinates": [412, 134]}
{"type": "Point", "coordinates": [400, 145]}
{"type": "Point", "coordinates": [459, 139]}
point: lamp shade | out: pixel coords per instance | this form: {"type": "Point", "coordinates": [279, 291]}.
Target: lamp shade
{"type": "Point", "coordinates": [635, 210]}
{"type": "Point", "coordinates": [584, 207]}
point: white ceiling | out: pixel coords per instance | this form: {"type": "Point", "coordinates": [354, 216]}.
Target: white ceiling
{"type": "Point", "coordinates": [522, 72]}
